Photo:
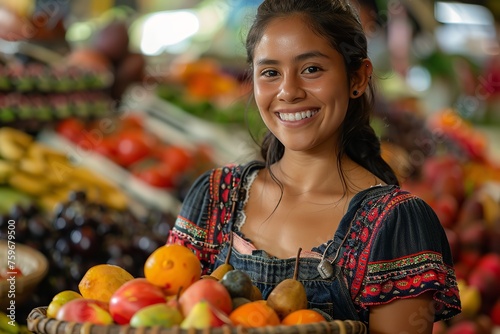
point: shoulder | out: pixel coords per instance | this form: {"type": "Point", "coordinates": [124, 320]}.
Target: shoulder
{"type": "Point", "coordinates": [391, 202]}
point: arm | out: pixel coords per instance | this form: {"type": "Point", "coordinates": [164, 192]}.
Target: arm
{"type": "Point", "coordinates": [408, 316]}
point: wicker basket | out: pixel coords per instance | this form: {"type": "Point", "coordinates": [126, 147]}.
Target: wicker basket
{"type": "Point", "coordinates": [39, 323]}
{"type": "Point", "coordinates": [34, 266]}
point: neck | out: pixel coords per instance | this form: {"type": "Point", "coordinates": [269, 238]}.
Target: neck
{"type": "Point", "coordinates": [302, 173]}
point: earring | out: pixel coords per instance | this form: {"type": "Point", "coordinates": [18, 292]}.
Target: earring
{"type": "Point", "coordinates": [355, 93]}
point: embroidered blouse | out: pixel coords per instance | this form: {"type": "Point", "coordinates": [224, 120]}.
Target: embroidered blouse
{"type": "Point", "coordinates": [394, 245]}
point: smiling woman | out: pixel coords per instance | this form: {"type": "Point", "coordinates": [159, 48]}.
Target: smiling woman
{"type": "Point", "coordinates": [372, 252]}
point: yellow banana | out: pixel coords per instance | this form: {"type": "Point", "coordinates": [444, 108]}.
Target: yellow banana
{"type": "Point", "coordinates": [10, 150]}
{"type": "Point", "coordinates": [13, 143]}
{"type": "Point", "coordinates": [35, 166]}
{"type": "Point", "coordinates": [19, 137]}
{"type": "Point", "coordinates": [115, 199]}
{"type": "Point", "coordinates": [40, 150]}
{"type": "Point", "coordinates": [27, 183]}
{"type": "Point", "coordinates": [6, 169]}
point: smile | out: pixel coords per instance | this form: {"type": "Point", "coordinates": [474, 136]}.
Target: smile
{"type": "Point", "coordinates": [298, 116]}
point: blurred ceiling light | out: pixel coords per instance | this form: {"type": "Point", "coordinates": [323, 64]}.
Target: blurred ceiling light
{"type": "Point", "coordinates": [462, 13]}
{"type": "Point", "coordinates": [167, 29]}
{"type": "Point", "coordinates": [467, 28]}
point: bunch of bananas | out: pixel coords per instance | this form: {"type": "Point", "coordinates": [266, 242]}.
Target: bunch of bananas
{"type": "Point", "coordinates": [47, 175]}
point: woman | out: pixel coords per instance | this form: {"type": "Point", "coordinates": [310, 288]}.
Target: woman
{"type": "Point", "coordinates": [371, 251]}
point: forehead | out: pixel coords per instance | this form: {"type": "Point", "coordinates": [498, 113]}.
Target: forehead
{"type": "Point", "coordinates": [288, 35]}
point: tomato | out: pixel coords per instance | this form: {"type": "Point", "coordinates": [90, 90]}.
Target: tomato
{"type": "Point", "coordinates": [178, 157]}
{"type": "Point", "coordinates": [155, 173]}
{"type": "Point", "coordinates": [132, 121]}
{"type": "Point", "coordinates": [108, 148]}
{"type": "Point", "coordinates": [71, 129]}
{"type": "Point", "coordinates": [133, 146]}
{"type": "Point", "coordinates": [133, 296]}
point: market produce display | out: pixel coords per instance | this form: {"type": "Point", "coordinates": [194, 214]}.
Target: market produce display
{"type": "Point", "coordinates": [34, 94]}
{"type": "Point", "coordinates": [47, 176]}
{"type": "Point", "coordinates": [462, 184]}
{"type": "Point", "coordinates": [80, 234]}
{"type": "Point", "coordinates": [206, 90]}
{"type": "Point", "coordinates": [131, 146]}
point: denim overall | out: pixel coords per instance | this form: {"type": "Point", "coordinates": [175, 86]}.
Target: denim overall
{"type": "Point", "coordinates": [330, 296]}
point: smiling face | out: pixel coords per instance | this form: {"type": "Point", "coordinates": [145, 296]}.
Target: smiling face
{"type": "Point", "coordinates": [300, 84]}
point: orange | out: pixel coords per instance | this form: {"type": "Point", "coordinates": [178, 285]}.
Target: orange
{"type": "Point", "coordinates": [254, 314]}
{"type": "Point", "coordinates": [102, 280]}
{"type": "Point", "coordinates": [305, 316]}
{"type": "Point", "coordinates": [172, 267]}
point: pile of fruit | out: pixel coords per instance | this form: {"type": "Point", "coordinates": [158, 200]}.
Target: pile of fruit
{"type": "Point", "coordinates": [80, 233]}
{"type": "Point", "coordinates": [31, 170]}
{"type": "Point", "coordinates": [465, 194]}
{"type": "Point", "coordinates": [173, 292]}
{"type": "Point", "coordinates": [210, 92]}
{"type": "Point", "coordinates": [129, 144]}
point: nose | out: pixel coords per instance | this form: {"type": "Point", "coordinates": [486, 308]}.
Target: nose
{"type": "Point", "coordinates": [290, 89]}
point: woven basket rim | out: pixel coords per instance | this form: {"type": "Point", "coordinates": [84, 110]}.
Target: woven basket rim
{"type": "Point", "coordinates": [38, 322]}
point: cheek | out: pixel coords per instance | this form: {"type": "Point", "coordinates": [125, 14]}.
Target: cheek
{"type": "Point", "coordinates": [262, 96]}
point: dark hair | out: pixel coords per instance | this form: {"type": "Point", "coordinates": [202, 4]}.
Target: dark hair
{"type": "Point", "coordinates": [339, 23]}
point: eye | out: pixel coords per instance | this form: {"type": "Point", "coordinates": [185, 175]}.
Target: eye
{"type": "Point", "coordinates": [269, 73]}
{"type": "Point", "coordinates": [311, 69]}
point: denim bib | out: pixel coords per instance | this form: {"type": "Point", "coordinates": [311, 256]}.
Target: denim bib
{"type": "Point", "coordinates": [330, 296]}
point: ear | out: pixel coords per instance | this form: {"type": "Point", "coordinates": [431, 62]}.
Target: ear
{"type": "Point", "coordinates": [361, 78]}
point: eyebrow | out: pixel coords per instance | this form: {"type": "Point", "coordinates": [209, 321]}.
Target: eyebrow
{"type": "Point", "coordinates": [298, 58]}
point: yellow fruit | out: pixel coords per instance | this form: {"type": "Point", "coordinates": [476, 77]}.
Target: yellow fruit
{"type": "Point", "coordinates": [172, 267]}
{"type": "Point", "coordinates": [59, 300]}
{"type": "Point", "coordinates": [102, 280]}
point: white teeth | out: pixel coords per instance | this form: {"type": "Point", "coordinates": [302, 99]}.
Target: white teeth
{"type": "Point", "coordinates": [297, 116]}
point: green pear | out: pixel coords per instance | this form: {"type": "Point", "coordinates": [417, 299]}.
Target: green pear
{"type": "Point", "coordinates": [163, 315]}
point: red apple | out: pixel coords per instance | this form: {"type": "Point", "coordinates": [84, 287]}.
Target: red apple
{"type": "Point", "coordinates": [131, 297]}
{"type": "Point", "coordinates": [85, 310]}
{"type": "Point", "coordinates": [490, 262]}
{"type": "Point", "coordinates": [206, 289]}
